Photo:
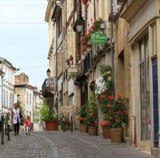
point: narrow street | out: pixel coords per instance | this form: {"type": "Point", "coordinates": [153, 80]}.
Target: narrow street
{"type": "Point", "coordinates": [66, 145]}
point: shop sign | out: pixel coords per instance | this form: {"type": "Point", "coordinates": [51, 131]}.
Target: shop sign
{"type": "Point", "coordinates": [99, 38]}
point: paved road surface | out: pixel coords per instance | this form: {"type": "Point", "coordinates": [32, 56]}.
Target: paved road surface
{"type": "Point", "coordinates": [66, 145]}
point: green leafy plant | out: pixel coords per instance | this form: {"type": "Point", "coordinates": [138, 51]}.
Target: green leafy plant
{"type": "Point", "coordinates": [106, 84]}
{"type": "Point", "coordinates": [46, 114]}
{"type": "Point", "coordinates": [115, 110]}
{"type": "Point", "coordinates": [92, 112]}
{"type": "Point", "coordinates": [82, 113]}
{"type": "Point", "coordinates": [105, 69]}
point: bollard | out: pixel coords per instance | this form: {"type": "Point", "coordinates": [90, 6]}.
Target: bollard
{"type": "Point", "coordinates": [71, 124]}
{"type": "Point", "coordinates": [63, 125]}
{"type": "Point", "coordinates": [8, 133]}
{"type": "Point", "coordinates": [8, 127]}
{"type": "Point", "coordinates": [2, 130]}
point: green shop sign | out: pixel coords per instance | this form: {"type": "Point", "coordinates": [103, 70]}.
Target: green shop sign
{"type": "Point", "coordinates": [99, 38]}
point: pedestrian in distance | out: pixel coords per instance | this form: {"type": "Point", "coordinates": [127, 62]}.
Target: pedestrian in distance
{"type": "Point", "coordinates": [16, 118]}
{"type": "Point", "coordinates": [28, 125]}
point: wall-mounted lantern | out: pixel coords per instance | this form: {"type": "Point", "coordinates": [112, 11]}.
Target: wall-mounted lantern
{"type": "Point", "coordinates": [48, 73]}
{"type": "Point", "coordinates": [79, 25]}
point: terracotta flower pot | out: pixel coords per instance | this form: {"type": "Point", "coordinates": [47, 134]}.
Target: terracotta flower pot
{"type": "Point", "coordinates": [51, 125]}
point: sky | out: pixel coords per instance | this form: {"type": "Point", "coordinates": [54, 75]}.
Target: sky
{"type": "Point", "coordinates": [24, 37]}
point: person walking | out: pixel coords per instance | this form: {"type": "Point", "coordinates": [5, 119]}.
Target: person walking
{"type": "Point", "coordinates": [28, 125]}
{"type": "Point", "coordinates": [16, 118]}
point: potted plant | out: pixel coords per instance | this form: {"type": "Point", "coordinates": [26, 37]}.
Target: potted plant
{"type": "Point", "coordinates": [82, 112]}
{"type": "Point", "coordinates": [92, 116]}
{"type": "Point", "coordinates": [49, 117]}
{"type": "Point", "coordinates": [118, 117]}
{"type": "Point", "coordinates": [105, 128]}
{"type": "Point", "coordinates": [105, 105]}
{"type": "Point", "coordinates": [116, 113]}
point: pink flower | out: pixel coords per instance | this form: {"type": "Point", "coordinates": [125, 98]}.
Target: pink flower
{"type": "Point", "coordinates": [104, 123]}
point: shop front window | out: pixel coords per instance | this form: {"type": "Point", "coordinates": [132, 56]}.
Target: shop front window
{"type": "Point", "coordinates": [144, 89]}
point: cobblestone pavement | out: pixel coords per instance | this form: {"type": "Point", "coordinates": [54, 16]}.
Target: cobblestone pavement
{"type": "Point", "coordinates": [67, 145]}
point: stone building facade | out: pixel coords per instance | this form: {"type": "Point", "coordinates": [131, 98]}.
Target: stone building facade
{"type": "Point", "coordinates": [29, 97]}
{"type": "Point", "coordinates": [132, 29]}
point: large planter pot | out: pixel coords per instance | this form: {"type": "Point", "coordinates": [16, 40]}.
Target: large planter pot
{"type": "Point", "coordinates": [51, 125]}
{"type": "Point", "coordinates": [92, 130]}
{"type": "Point", "coordinates": [116, 135]}
{"type": "Point", "coordinates": [83, 128]}
{"type": "Point", "coordinates": [106, 132]}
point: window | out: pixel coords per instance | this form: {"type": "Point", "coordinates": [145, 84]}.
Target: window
{"type": "Point", "coordinates": [3, 101]}
{"type": "Point", "coordinates": [144, 88]}
{"type": "Point", "coordinates": [6, 101]}
{"type": "Point", "coordinates": [30, 98]}
{"type": "Point", "coordinates": [154, 39]}
{"type": "Point", "coordinates": [11, 100]}
{"type": "Point", "coordinates": [71, 99]}
{"type": "Point", "coordinates": [59, 25]}
{"type": "Point", "coordinates": [27, 98]}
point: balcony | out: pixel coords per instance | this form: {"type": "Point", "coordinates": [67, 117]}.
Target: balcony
{"type": "Point", "coordinates": [48, 89]}
{"type": "Point", "coordinates": [56, 10]}
{"type": "Point", "coordinates": [131, 8]}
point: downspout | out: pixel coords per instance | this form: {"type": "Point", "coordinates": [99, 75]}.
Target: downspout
{"type": "Point", "coordinates": [112, 52]}
{"type": "Point", "coordinates": [94, 9]}
{"type": "Point", "coordinates": [33, 108]}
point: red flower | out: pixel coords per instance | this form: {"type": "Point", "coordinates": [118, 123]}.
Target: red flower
{"type": "Point", "coordinates": [81, 118]}
{"type": "Point", "coordinates": [101, 97]}
{"type": "Point", "coordinates": [104, 123]}
{"type": "Point", "coordinates": [119, 96]}
{"type": "Point", "coordinates": [126, 113]}
{"type": "Point", "coordinates": [110, 97]}
{"type": "Point", "coordinates": [91, 114]}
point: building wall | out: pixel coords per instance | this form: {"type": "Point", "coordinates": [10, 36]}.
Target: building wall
{"type": "Point", "coordinates": [142, 17]}
{"type": "Point", "coordinates": [21, 79]}
{"type": "Point", "coordinates": [7, 85]}
{"type": "Point", "coordinates": [141, 25]}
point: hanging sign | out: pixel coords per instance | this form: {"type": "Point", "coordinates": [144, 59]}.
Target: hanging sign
{"type": "Point", "coordinates": [99, 38]}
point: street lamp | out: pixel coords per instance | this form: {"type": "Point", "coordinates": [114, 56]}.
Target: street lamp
{"type": "Point", "coordinates": [50, 86]}
{"type": "Point", "coordinates": [48, 73]}
{"type": "Point", "coordinates": [79, 25]}
{"type": "Point", "coordinates": [103, 26]}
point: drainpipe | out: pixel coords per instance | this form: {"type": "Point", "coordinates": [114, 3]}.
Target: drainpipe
{"type": "Point", "coordinates": [94, 9]}
{"type": "Point", "coordinates": [33, 105]}
{"type": "Point", "coordinates": [112, 52]}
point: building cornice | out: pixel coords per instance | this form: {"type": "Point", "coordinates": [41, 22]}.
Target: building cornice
{"type": "Point", "coordinates": [48, 10]}
{"type": "Point", "coordinates": [7, 63]}
{"type": "Point", "coordinates": [25, 86]}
